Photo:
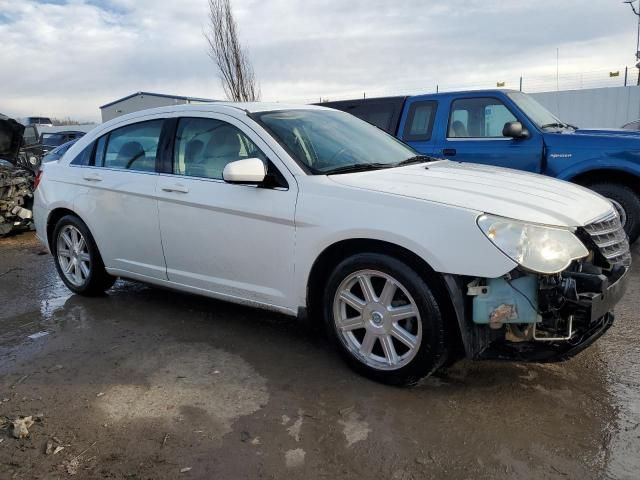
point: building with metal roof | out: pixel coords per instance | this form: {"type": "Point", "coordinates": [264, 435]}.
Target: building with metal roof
{"type": "Point", "coordinates": [143, 100]}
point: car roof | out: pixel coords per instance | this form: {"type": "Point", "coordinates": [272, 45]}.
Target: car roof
{"type": "Point", "coordinates": [231, 108]}
{"type": "Point", "coordinates": [246, 107]}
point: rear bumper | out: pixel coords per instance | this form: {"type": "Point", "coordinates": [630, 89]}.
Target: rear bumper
{"type": "Point", "coordinates": [40, 216]}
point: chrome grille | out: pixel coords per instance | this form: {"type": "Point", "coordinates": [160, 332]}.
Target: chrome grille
{"type": "Point", "coordinates": [610, 238]}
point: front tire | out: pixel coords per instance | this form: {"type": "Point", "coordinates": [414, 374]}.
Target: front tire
{"type": "Point", "coordinates": [384, 319]}
{"type": "Point", "coordinates": [627, 202]}
{"type": "Point", "coordinates": [77, 258]}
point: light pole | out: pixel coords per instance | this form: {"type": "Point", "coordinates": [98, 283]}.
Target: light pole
{"type": "Point", "coordinates": [637, 14]}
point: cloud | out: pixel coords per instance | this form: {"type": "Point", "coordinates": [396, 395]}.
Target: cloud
{"type": "Point", "coordinates": [65, 58]}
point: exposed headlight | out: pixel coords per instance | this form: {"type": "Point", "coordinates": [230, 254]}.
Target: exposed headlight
{"type": "Point", "coordinates": [535, 247]}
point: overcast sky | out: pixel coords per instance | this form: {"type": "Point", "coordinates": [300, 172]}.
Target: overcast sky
{"type": "Point", "coordinates": [67, 57]}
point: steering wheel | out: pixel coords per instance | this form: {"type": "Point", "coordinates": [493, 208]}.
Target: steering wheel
{"type": "Point", "coordinates": [137, 157]}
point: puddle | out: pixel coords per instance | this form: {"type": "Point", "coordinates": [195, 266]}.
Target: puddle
{"type": "Point", "coordinates": [620, 350]}
{"type": "Point", "coordinates": [179, 384]}
{"type": "Point", "coordinates": [624, 385]}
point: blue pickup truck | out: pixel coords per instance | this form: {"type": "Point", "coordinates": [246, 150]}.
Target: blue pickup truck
{"type": "Point", "coordinates": [510, 129]}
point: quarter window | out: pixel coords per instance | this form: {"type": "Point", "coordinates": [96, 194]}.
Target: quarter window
{"type": "Point", "coordinates": [84, 157]}
{"type": "Point", "coordinates": [133, 147]}
{"type": "Point", "coordinates": [478, 118]}
{"type": "Point", "coordinates": [420, 121]}
{"type": "Point", "coordinates": [204, 146]}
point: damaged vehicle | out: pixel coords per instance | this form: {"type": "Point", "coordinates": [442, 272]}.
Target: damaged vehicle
{"type": "Point", "coordinates": [16, 180]}
{"type": "Point", "coordinates": [408, 261]}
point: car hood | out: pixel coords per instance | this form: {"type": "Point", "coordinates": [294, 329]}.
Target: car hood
{"type": "Point", "coordinates": [615, 132]}
{"type": "Point", "coordinates": [10, 139]}
{"type": "Point", "coordinates": [499, 191]}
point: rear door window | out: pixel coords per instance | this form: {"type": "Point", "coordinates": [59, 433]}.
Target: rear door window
{"type": "Point", "coordinates": [419, 124]}
{"type": "Point", "coordinates": [133, 147]}
{"type": "Point", "coordinates": [379, 115]}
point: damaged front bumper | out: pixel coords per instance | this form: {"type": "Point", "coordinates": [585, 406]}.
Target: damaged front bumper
{"type": "Point", "coordinates": [525, 316]}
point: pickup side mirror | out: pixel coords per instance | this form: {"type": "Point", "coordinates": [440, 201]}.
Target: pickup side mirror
{"type": "Point", "coordinates": [249, 171]}
{"type": "Point", "coordinates": [514, 130]}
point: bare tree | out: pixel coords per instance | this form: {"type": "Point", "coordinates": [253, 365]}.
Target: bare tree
{"type": "Point", "coordinates": [236, 73]}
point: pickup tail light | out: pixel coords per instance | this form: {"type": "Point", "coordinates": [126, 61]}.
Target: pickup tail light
{"type": "Point", "coordinates": [36, 180]}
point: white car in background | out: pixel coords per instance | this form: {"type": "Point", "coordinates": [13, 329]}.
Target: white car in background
{"type": "Point", "coordinates": [408, 260]}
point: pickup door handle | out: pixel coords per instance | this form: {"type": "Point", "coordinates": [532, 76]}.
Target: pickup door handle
{"type": "Point", "coordinates": [449, 152]}
{"type": "Point", "coordinates": [92, 177]}
{"type": "Point", "coordinates": [175, 188]}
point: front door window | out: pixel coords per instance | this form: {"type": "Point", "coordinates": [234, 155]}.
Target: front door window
{"type": "Point", "coordinates": [478, 118]}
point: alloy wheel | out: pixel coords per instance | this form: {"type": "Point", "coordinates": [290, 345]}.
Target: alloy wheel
{"type": "Point", "coordinates": [73, 255]}
{"type": "Point", "coordinates": [377, 319]}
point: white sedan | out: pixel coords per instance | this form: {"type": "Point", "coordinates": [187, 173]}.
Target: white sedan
{"type": "Point", "coordinates": [409, 261]}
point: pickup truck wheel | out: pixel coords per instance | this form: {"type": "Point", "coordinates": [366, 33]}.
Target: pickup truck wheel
{"type": "Point", "coordinates": [626, 202]}
{"type": "Point", "coordinates": [384, 319]}
{"type": "Point", "coordinates": [77, 258]}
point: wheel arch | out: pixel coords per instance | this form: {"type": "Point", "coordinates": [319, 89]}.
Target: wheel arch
{"type": "Point", "coordinates": [55, 215]}
{"type": "Point", "coordinates": [332, 255]}
{"type": "Point", "coordinates": [607, 175]}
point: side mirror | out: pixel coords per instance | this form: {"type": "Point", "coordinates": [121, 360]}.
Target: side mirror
{"type": "Point", "coordinates": [249, 171]}
{"type": "Point", "coordinates": [514, 130]}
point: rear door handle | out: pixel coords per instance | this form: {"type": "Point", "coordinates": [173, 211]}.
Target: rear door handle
{"type": "Point", "coordinates": [92, 177]}
{"type": "Point", "coordinates": [175, 188]}
{"type": "Point", "coordinates": [449, 152]}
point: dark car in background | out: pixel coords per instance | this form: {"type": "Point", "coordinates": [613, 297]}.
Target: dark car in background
{"type": "Point", "coordinates": [57, 153]}
{"type": "Point", "coordinates": [37, 143]}
{"type": "Point", "coordinates": [52, 140]}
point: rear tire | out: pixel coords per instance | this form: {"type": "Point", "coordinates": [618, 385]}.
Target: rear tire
{"type": "Point", "coordinates": [625, 198]}
{"type": "Point", "coordinates": [384, 319]}
{"type": "Point", "coordinates": [77, 258]}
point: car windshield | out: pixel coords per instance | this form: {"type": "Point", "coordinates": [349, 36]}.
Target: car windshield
{"type": "Point", "coordinates": [327, 141]}
{"type": "Point", "coordinates": [538, 114]}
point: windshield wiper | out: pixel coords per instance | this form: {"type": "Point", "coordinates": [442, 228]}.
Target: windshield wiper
{"type": "Point", "coordinates": [414, 159]}
{"type": "Point", "coordinates": [358, 167]}
{"type": "Point", "coordinates": [557, 125]}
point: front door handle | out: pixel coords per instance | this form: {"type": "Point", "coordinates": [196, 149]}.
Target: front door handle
{"type": "Point", "coordinates": [92, 177]}
{"type": "Point", "coordinates": [175, 188]}
{"type": "Point", "coordinates": [449, 152]}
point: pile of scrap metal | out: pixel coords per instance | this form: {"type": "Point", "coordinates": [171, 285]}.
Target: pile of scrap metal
{"type": "Point", "coordinates": [16, 179]}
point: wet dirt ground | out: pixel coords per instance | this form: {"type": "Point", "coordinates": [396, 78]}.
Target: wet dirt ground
{"type": "Point", "coordinates": [145, 383]}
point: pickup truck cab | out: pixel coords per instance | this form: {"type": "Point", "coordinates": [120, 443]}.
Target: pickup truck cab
{"type": "Point", "coordinates": [510, 129]}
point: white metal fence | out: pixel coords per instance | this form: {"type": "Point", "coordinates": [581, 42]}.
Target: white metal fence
{"type": "Point", "coordinates": [617, 76]}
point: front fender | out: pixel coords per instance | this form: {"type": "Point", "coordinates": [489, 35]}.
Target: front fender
{"type": "Point", "coordinates": [447, 238]}
{"type": "Point", "coordinates": [599, 164]}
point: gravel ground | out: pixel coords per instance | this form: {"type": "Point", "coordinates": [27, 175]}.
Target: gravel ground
{"type": "Point", "coordinates": [145, 383]}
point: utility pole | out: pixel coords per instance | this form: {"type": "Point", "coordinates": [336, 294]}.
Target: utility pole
{"type": "Point", "coordinates": [637, 14]}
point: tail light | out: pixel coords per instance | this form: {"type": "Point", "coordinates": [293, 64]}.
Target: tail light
{"type": "Point", "coordinates": [36, 180]}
